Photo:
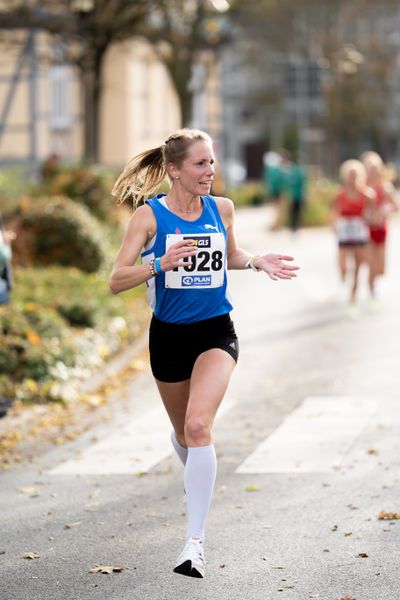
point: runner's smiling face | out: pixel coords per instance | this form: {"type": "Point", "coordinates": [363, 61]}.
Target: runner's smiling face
{"type": "Point", "coordinates": [196, 173]}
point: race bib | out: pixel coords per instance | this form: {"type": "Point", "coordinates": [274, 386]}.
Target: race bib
{"type": "Point", "coordinates": [352, 230]}
{"type": "Point", "coordinates": [206, 269]}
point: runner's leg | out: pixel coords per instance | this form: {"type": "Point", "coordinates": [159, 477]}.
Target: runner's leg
{"type": "Point", "coordinates": [210, 378]}
{"type": "Point", "coordinates": [175, 397]}
{"type": "Point", "coordinates": [360, 257]}
{"type": "Point", "coordinates": [342, 256]}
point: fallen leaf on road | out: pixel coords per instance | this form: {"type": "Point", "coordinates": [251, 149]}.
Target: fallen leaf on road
{"type": "Point", "coordinates": [70, 525]}
{"type": "Point", "coordinates": [388, 516]}
{"type": "Point", "coordinates": [348, 533]}
{"type": "Point", "coordinates": [372, 451]}
{"type": "Point", "coordinates": [31, 555]}
{"type": "Point", "coordinates": [222, 566]}
{"type": "Point", "coordinates": [277, 567]}
{"type": "Point", "coordinates": [334, 528]}
{"type": "Point", "coordinates": [252, 488]}
{"type": "Point", "coordinates": [106, 569]}
{"type": "Point", "coordinates": [362, 555]}
{"type": "Point", "coordinates": [28, 490]}
{"type": "Point", "coordinates": [348, 598]}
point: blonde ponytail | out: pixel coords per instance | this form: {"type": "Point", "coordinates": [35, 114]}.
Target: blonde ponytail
{"type": "Point", "coordinates": [141, 177]}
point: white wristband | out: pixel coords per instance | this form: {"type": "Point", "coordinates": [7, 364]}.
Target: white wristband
{"type": "Point", "coordinates": [250, 264]}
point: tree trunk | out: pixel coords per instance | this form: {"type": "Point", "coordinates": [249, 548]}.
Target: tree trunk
{"type": "Point", "coordinates": [91, 72]}
{"type": "Point", "coordinates": [181, 73]}
{"type": "Point", "coordinates": [186, 105]}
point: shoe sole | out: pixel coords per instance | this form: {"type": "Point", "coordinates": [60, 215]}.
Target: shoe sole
{"type": "Point", "coordinates": [186, 569]}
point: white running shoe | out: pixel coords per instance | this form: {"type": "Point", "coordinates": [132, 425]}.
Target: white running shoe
{"type": "Point", "coordinates": [191, 560]}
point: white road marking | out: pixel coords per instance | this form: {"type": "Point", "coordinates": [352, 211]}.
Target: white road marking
{"type": "Point", "coordinates": [135, 448]}
{"type": "Point", "coordinates": [315, 438]}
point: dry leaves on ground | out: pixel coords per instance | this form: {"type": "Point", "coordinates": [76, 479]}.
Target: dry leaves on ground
{"type": "Point", "coordinates": [28, 490]}
{"type": "Point", "coordinates": [107, 569]}
{"type": "Point", "coordinates": [348, 598]}
{"type": "Point", "coordinates": [372, 452]}
{"type": "Point", "coordinates": [70, 525]}
{"type": "Point", "coordinates": [31, 555]}
{"type": "Point", "coordinates": [388, 516]}
{"type": "Point", "coordinates": [252, 488]}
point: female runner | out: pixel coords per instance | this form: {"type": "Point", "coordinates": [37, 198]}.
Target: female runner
{"type": "Point", "coordinates": [187, 242]}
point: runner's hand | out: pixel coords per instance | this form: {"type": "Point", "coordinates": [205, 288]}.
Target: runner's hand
{"type": "Point", "coordinates": [273, 265]}
{"type": "Point", "coordinates": [177, 255]}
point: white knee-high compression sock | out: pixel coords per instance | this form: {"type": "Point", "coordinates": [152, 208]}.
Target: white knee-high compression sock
{"type": "Point", "coordinates": [181, 451]}
{"type": "Point", "coordinates": [199, 479]}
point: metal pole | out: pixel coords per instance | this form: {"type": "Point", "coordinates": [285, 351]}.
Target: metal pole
{"type": "Point", "coordinates": [33, 79]}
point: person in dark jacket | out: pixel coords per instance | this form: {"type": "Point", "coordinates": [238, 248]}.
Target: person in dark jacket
{"type": "Point", "coordinates": [6, 238]}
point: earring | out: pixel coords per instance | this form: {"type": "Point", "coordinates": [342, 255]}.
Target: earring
{"type": "Point", "coordinates": [177, 177]}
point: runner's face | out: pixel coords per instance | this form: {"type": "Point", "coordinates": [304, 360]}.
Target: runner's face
{"type": "Point", "coordinates": [196, 173]}
{"type": "Point", "coordinates": [372, 171]}
{"type": "Point", "coordinates": [352, 177]}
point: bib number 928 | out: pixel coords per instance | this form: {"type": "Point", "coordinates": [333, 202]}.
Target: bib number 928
{"type": "Point", "coordinates": [203, 261]}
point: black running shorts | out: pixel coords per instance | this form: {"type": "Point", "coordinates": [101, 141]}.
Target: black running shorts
{"type": "Point", "coordinates": [174, 348]}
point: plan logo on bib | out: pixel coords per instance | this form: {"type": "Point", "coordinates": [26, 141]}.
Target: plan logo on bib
{"type": "Point", "coordinates": [191, 280]}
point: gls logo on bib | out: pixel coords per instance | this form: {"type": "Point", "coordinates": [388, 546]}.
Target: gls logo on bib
{"type": "Point", "coordinates": [189, 280]}
{"type": "Point", "coordinates": [203, 241]}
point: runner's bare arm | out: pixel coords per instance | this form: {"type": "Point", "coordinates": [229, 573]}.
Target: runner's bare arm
{"type": "Point", "coordinates": [125, 274]}
{"type": "Point", "coordinates": [333, 213]}
{"type": "Point", "coordinates": [237, 257]}
{"type": "Point", "coordinates": [272, 264]}
{"type": "Point", "coordinates": [390, 197]}
{"type": "Point", "coordinates": [141, 229]}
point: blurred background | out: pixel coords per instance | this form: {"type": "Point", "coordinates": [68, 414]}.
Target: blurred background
{"type": "Point", "coordinates": [86, 84]}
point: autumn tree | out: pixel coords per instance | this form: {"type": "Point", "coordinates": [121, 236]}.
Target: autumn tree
{"type": "Point", "coordinates": [179, 30]}
{"type": "Point", "coordinates": [86, 29]}
{"type": "Point", "coordinates": [354, 42]}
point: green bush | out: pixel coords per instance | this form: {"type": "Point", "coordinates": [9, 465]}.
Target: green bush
{"type": "Point", "coordinates": [78, 314]}
{"type": "Point", "coordinates": [58, 231]}
{"type": "Point", "coordinates": [89, 185]}
{"type": "Point", "coordinates": [42, 352]}
{"type": "Point", "coordinates": [20, 319]}
{"type": "Point", "coordinates": [82, 299]}
{"type": "Point", "coordinates": [251, 193]}
{"type": "Point", "coordinates": [33, 339]}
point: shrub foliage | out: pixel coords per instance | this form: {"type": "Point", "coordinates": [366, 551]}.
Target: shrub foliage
{"type": "Point", "coordinates": [56, 230]}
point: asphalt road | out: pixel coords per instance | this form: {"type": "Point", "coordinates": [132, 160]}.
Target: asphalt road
{"type": "Point", "coordinates": [308, 449]}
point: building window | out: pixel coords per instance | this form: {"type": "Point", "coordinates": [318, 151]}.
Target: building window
{"type": "Point", "coordinates": [60, 98]}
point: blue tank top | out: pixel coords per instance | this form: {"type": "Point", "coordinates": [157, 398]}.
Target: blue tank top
{"type": "Point", "coordinates": [197, 291]}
